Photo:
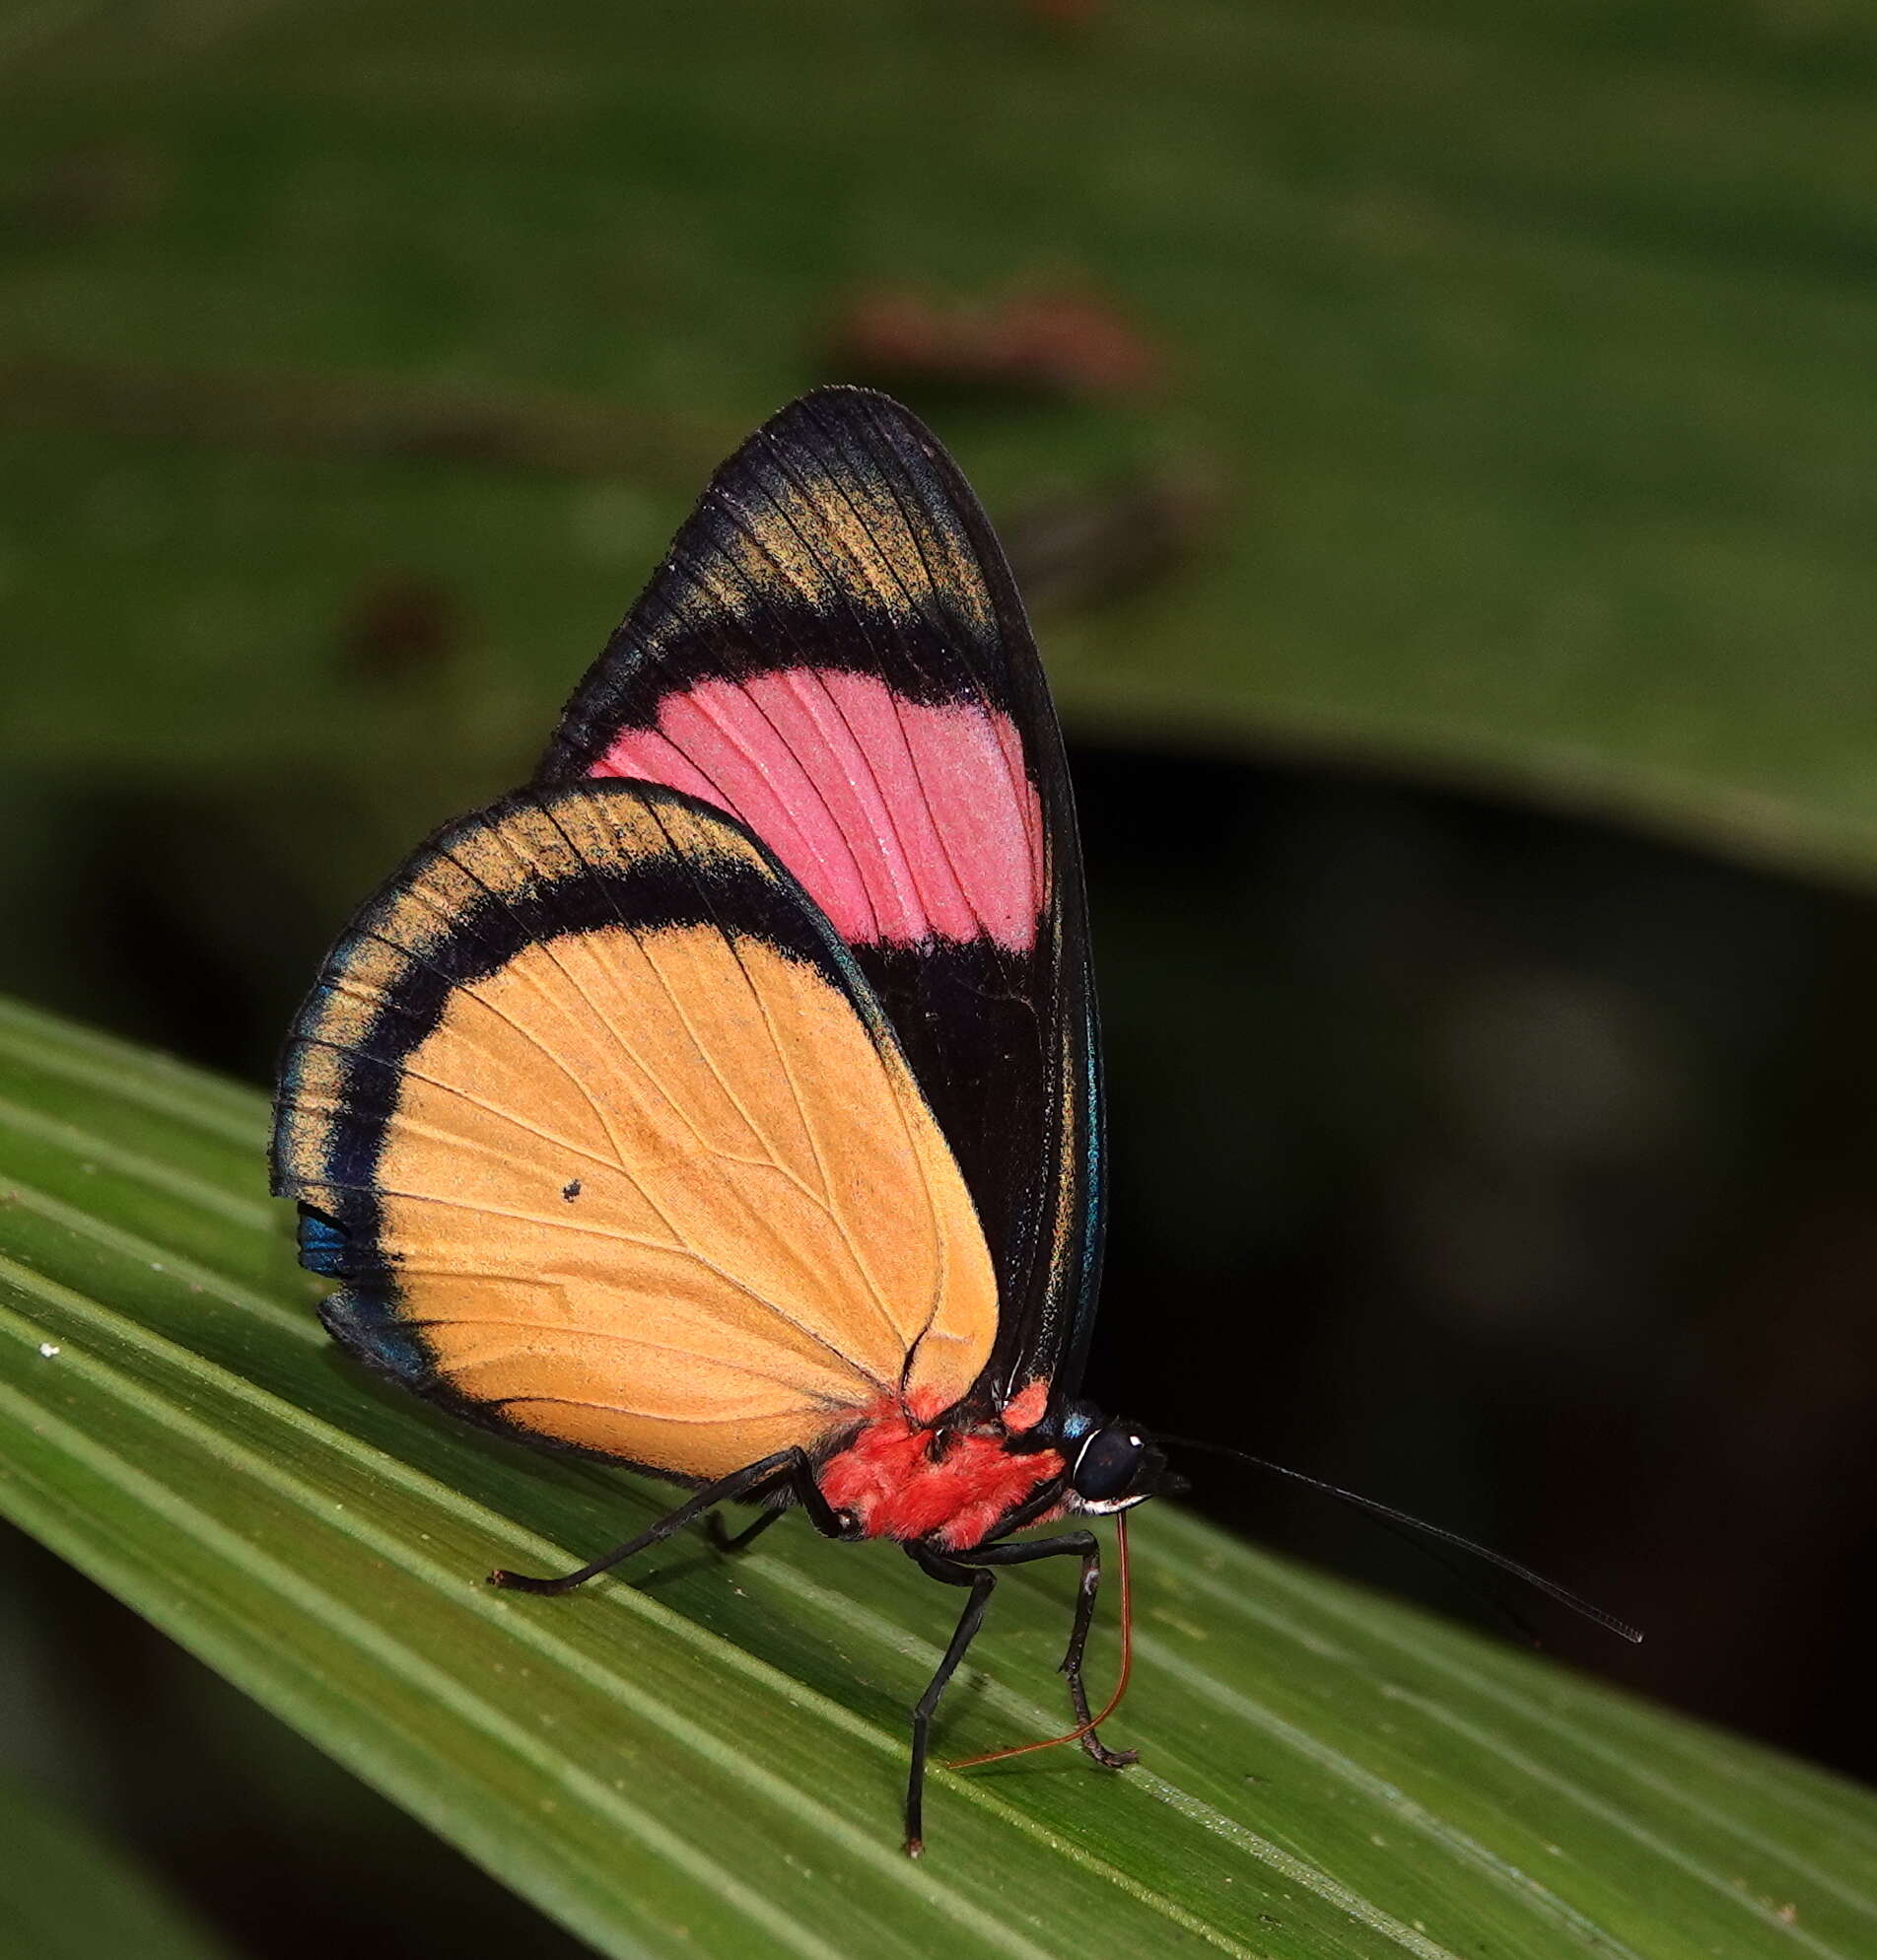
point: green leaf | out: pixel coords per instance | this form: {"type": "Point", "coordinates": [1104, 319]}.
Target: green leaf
{"type": "Point", "coordinates": [705, 1755]}
{"type": "Point", "coordinates": [1527, 350]}
{"type": "Point", "coordinates": [70, 1895]}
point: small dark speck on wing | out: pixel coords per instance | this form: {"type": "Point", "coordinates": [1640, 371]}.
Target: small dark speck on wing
{"type": "Point", "coordinates": [571, 1191]}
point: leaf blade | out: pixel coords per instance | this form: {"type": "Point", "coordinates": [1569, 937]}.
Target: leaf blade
{"type": "Point", "coordinates": [712, 1751]}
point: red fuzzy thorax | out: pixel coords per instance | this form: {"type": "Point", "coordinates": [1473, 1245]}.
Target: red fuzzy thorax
{"type": "Point", "coordinates": [905, 1478]}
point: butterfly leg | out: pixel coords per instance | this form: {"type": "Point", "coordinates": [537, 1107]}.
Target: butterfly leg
{"type": "Point", "coordinates": [797, 1476]}
{"type": "Point", "coordinates": [982, 1584]}
{"type": "Point", "coordinates": [789, 1467]}
{"type": "Point", "coordinates": [727, 1540]}
{"type": "Point", "coordinates": [1072, 1544]}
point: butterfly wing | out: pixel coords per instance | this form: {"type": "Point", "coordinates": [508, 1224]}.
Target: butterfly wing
{"type": "Point", "coordinates": [834, 652]}
{"type": "Point", "coordinates": [613, 1145]}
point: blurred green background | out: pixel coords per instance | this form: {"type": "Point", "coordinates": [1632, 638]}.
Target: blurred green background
{"type": "Point", "coordinates": [1437, 442]}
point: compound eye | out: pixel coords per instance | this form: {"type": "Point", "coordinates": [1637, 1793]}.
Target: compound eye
{"type": "Point", "coordinates": [1110, 1461]}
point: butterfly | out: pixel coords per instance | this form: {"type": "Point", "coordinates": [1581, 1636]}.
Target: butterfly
{"type": "Point", "coordinates": [727, 1102]}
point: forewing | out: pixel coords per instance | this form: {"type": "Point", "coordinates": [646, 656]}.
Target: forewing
{"type": "Point", "coordinates": [611, 1144]}
{"type": "Point", "coordinates": [834, 652]}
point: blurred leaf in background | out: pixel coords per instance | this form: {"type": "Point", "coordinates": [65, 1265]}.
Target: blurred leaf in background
{"type": "Point", "coordinates": [1533, 350]}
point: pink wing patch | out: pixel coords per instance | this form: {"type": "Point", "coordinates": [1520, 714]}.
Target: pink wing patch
{"type": "Point", "coordinates": [903, 821]}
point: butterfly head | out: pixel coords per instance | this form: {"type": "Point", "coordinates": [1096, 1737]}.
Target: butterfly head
{"type": "Point", "coordinates": [1113, 1464]}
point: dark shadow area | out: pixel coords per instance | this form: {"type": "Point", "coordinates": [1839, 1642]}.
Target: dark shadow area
{"type": "Point", "coordinates": [1515, 1171]}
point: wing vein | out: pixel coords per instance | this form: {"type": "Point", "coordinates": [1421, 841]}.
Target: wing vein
{"type": "Point", "coordinates": [616, 1236]}
{"type": "Point", "coordinates": [829, 1208]}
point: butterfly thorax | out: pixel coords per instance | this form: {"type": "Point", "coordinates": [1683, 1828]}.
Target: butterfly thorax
{"type": "Point", "coordinates": [914, 1474]}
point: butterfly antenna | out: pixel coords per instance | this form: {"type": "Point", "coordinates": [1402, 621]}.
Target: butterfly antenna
{"type": "Point", "coordinates": [1403, 1524]}
{"type": "Point", "coordinates": [1464, 1579]}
